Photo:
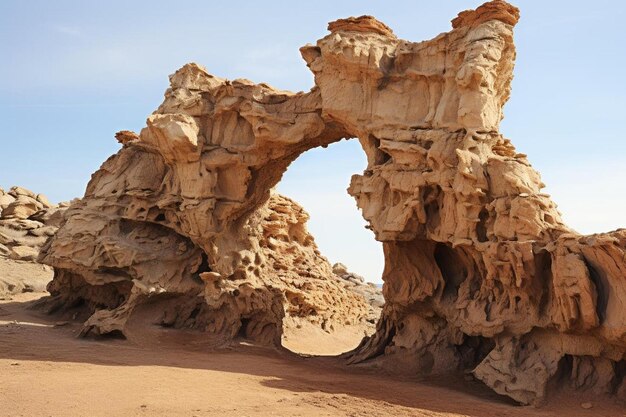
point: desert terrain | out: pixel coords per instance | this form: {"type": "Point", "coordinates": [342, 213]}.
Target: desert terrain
{"type": "Point", "coordinates": [182, 283]}
{"type": "Point", "coordinates": [45, 370]}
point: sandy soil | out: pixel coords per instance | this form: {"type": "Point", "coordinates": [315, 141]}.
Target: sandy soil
{"type": "Point", "coordinates": [46, 371]}
{"type": "Point", "coordinates": [308, 339]}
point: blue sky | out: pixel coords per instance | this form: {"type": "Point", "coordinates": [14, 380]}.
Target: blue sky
{"type": "Point", "coordinates": [75, 72]}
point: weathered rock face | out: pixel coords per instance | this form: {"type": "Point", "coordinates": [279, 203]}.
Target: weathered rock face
{"type": "Point", "coordinates": [357, 283]}
{"type": "Point", "coordinates": [27, 220]}
{"type": "Point", "coordinates": [118, 264]}
{"type": "Point", "coordinates": [480, 272]}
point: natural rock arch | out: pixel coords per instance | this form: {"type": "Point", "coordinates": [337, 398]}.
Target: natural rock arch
{"type": "Point", "coordinates": [480, 270]}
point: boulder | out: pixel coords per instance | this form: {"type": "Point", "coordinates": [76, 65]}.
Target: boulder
{"type": "Point", "coordinates": [21, 208]}
{"type": "Point", "coordinates": [340, 269]}
{"type": "Point", "coordinates": [26, 223]}
{"type": "Point", "coordinates": [5, 201]}
{"type": "Point", "coordinates": [20, 191]}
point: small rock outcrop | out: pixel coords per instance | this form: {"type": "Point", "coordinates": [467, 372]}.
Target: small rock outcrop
{"type": "Point", "coordinates": [357, 283]}
{"type": "Point", "coordinates": [27, 221]}
{"type": "Point", "coordinates": [481, 274]}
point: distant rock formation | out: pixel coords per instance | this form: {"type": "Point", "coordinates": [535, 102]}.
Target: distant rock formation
{"type": "Point", "coordinates": [27, 220]}
{"type": "Point", "coordinates": [357, 283]}
{"type": "Point", "coordinates": [480, 272]}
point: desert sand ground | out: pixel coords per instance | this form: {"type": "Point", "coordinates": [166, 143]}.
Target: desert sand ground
{"type": "Point", "coordinates": [46, 371]}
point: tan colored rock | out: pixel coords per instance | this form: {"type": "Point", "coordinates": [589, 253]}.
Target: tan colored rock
{"type": "Point", "coordinates": [21, 203]}
{"type": "Point", "coordinates": [480, 274]}
{"type": "Point", "coordinates": [289, 282]}
{"type": "Point", "coordinates": [360, 24]}
{"type": "Point", "coordinates": [25, 253]}
{"type": "Point", "coordinates": [340, 269]}
{"type": "Point", "coordinates": [493, 10]}
{"type": "Point", "coordinates": [5, 200]}
{"type": "Point", "coordinates": [51, 217]}
{"type": "Point", "coordinates": [20, 276]}
{"type": "Point", "coordinates": [27, 221]}
{"type": "Point", "coordinates": [16, 191]}
{"type": "Point", "coordinates": [4, 251]}
{"type": "Point", "coordinates": [21, 208]}
{"type": "Point", "coordinates": [126, 136]}
{"type": "Point", "coordinates": [356, 283]}
{"type": "Point", "coordinates": [43, 200]}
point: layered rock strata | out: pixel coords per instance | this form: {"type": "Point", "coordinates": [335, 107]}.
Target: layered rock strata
{"type": "Point", "coordinates": [27, 221]}
{"type": "Point", "coordinates": [480, 273]}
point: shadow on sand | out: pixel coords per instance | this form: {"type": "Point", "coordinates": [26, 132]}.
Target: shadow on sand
{"type": "Point", "coordinates": [27, 335]}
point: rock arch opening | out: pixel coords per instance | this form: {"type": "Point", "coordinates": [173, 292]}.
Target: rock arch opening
{"type": "Point", "coordinates": [317, 180]}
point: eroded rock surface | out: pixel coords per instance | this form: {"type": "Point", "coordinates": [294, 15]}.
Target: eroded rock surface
{"type": "Point", "coordinates": [480, 272]}
{"type": "Point", "coordinates": [357, 283]}
{"type": "Point", "coordinates": [118, 264]}
{"type": "Point", "coordinates": [27, 220]}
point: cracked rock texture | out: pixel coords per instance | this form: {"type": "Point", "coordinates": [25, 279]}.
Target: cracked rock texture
{"type": "Point", "coordinates": [27, 220]}
{"type": "Point", "coordinates": [480, 272]}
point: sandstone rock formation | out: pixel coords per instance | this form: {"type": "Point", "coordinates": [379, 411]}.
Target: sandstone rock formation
{"type": "Point", "coordinates": [27, 220]}
{"type": "Point", "coordinates": [119, 263]}
{"type": "Point", "coordinates": [481, 273]}
{"type": "Point", "coordinates": [357, 283]}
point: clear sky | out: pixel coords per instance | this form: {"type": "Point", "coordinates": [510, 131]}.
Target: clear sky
{"type": "Point", "coordinates": [75, 72]}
